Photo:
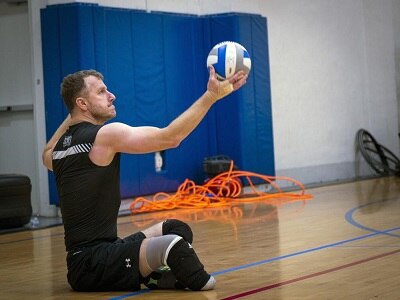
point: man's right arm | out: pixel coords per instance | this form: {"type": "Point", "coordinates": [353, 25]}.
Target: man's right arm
{"type": "Point", "coordinates": [119, 137]}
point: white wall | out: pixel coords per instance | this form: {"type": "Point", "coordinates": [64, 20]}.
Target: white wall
{"type": "Point", "coordinates": [396, 26]}
{"type": "Point", "coordinates": [17, 134]}
{"type": "Point", "coordinates": [334, 69]}
{"type": "Point", "coordinates": [332, 72]}
{"type": "Point", "coordinates": [22, 133]}
{"type": "Point", "coordinates": [15, 61]}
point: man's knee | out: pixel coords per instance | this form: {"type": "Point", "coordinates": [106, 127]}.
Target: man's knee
{"type": "Point", "coordinates": [158, 248]}
{"type": "Point", "coordinates": [173, 226]}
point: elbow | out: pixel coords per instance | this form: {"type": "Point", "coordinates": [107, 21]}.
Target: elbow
{"type": "Point", "coordinates": [171, 138]}
{"type": "Point", "coordinates": [44, 157]}
{"type": "Point", "coordinates": [174, 143]}
{"type": "Point", "coordinates": [46, 160]}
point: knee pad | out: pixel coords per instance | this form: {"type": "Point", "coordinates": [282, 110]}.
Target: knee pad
{"type": "Point", "coordinates": [187, 268]}
{"type": "Point", "coordinates": [158, 249]}
{"type": "Point", "coordinates": [173, 226]}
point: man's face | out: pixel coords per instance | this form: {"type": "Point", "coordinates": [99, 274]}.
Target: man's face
{"type": "Point", "coordinates": [99, 99]}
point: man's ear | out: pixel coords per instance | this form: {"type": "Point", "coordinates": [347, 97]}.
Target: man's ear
{"type": "Point", "coordinates": [81, 103]}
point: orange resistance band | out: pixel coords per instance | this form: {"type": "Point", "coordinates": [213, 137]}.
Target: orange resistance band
{"type": "Point", "coordinates": [222, 190]}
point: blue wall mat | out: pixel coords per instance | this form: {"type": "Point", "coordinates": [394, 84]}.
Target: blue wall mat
{"type": "Point", "coordinates": [116, 53]}
{"type": "Point", "coordinates": [186, 78]}
{"type": "Point", "coordinates": [150, 100]}
{"type": "Point", "coordinates": [155, 64]}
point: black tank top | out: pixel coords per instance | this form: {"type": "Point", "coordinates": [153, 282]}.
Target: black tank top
{"type": "Point", "coordinates": [89, 194]}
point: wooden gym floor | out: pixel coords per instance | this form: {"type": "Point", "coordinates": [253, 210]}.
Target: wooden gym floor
{"type": "Point", "coordinates": [343, 244]}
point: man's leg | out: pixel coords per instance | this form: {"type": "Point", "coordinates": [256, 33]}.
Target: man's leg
{"type": "Point", "coordinates": [170, 226]}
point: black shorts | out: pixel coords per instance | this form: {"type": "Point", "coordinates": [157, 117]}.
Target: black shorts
{"type": "Point", "coordinates": [107, 266]}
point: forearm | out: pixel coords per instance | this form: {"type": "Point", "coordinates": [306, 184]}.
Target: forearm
{"type": "Point", "coordinates": [183, 125]}
{"type": "Point", "coordinates": [48, 149]}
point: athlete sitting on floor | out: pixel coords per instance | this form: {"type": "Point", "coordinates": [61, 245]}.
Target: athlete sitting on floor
{"type": "Point", "coordinates": [85, 157]}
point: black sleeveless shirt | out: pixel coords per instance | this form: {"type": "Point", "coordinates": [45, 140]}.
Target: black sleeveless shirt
{"type": "Point", "coordinates": [89, 194]}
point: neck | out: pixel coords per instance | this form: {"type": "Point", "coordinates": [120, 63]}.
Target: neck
{"type": "Point", "coordinates": [78, 118]}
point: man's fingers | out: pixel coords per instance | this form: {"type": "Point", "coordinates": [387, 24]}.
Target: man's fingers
{"type": "Point", "coordinates": [236, 77]}
{"type": "Point", "coordinates": [212, 71]}
{"type": "Point", "coordinates": [239, 81]}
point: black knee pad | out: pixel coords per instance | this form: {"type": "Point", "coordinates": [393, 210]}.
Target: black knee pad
{"type": "Point", "coordinates": [186, 266]}
{"type": "Point", "coordinates": [173, 226]}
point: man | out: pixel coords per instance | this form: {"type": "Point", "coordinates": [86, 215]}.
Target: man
{"type": "Point", "coordinates": [85, 157]}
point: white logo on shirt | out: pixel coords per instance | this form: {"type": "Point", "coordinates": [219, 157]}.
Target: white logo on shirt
{"type": "Point", "coordinates": [67, 141]}
{"type": "Point", "coordinates": [128, 260]}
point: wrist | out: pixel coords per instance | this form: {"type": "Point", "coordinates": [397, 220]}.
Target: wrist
{"type": "Point", "coordinates": [210, 96]}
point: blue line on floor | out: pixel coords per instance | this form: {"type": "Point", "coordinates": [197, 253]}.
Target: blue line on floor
{"type": "Point", "coordinates": [143, 291]}
{"type": "Point", "coordinates": [350, 218]}
{"type": "Point", "coordinates": [303, 252]}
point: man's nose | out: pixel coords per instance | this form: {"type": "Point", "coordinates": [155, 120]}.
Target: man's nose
{"type": "Point", "coordinates": [112, 96]}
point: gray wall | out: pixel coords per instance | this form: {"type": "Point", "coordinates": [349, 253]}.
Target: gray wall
{"type": "Point", "coordinates": [17, 130]}
{"type": "Point", "coordinates": [396, 33]}
{"type": "Point", "coordinates": [334, 69]}
{"type": "Point", "coordinates": [333, 72]}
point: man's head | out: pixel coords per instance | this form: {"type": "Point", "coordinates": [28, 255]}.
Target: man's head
{"type": "Point", "coordinates": [74, 86]}
{"type": "Point", "coordinates": [85, 92]}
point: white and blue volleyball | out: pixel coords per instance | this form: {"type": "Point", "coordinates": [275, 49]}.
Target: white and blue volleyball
{"type": "Point", "coordinates": [228, 58]}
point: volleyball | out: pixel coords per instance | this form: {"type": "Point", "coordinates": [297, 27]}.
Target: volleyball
{"type": "Point", "coordinates": [227, 58]}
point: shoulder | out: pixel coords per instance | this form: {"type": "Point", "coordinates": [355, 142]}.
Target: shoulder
{"type": "Point", "coordinates": [111, 136]}
{"type": "Point", "coordinates": [112, 131]}
{"type": "Point", "coordinates": [103, 150]}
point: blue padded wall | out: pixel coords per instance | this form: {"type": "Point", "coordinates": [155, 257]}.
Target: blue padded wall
{"type": "Point", "coordinates": [155, 65]}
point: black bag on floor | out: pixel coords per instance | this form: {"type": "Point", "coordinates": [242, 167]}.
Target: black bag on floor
{"type": "Point", "coordinates": [15, 200]}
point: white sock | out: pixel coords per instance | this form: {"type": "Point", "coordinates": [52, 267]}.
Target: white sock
{"type": "Point", "coordinates": [210, 284]}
